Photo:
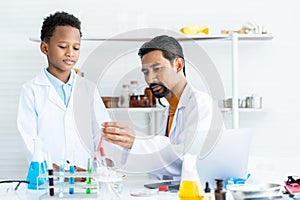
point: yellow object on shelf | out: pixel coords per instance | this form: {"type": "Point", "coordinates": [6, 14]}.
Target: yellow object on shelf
{"type": "Point", "coordinates": [195, 29]}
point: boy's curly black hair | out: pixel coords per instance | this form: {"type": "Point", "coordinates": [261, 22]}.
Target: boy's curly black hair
{"type": "Point", "coordinates": [58, 19]}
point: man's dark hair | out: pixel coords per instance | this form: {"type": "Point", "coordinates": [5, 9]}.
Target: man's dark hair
{"type": "Point", "coordinates": [58, 19]}
{"type": "Point", "coordinates": [169, 46]}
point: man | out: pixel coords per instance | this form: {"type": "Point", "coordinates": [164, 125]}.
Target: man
{"type": "Point", "coordinates": [186, 119]}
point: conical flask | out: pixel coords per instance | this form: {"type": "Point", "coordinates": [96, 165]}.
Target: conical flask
{"type": "Point", "coordinates": [190, 186]}
{"type": "Point", "coordinates": [36, 167]}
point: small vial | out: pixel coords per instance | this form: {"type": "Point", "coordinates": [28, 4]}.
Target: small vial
{"type": "Point", "coordinates": [220, 193]}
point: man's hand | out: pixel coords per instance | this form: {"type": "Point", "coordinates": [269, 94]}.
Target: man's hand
{"type": "Point", "coordinates": [119, 134]}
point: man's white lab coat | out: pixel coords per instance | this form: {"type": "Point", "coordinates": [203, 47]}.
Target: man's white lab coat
{"type": "Point", "coordinates": [162, 155]}
{"type": "Point", "coordinates": [43, 114]}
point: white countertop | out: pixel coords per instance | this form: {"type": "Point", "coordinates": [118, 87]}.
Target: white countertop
{"type": "Point", "coordinates": [262, 169]}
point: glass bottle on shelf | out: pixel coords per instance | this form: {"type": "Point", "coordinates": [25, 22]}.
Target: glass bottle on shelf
{"type": "Point", "coordinates": [133, 88]}
{"type": "Point", "coordinates": [124, 100]}
{"type": "Point", "coordinates": [151, 97]}
{"type": "Point", "coordinates": [144, 101]}
{"type": "Point", "coordinates": [134, 101]}
{"type": "Point", "coordinates": [134, 94]}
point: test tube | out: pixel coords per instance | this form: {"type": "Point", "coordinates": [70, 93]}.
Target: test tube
{"type": "Point", "coordinates": [50, 173]}
{"type": "Point", "coordinates": [89, 178]}
{"type": "Point", "coordinates": [61, 177]}
{"type": "Point", "coordinates": [72, 171]}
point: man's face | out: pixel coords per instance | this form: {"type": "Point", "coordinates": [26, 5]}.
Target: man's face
{"type": "Point", "coordinates": [159, 73]}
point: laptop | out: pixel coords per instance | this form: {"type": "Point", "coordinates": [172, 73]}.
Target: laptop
{"type": "Point", "coordinates": [223, 155]}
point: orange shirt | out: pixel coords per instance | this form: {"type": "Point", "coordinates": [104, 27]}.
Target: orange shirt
{"type": "Point", "coordinates": [173, 106]}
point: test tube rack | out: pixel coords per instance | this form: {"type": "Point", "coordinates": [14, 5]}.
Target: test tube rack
{"type": "Point", "coordinates": [79, 187]}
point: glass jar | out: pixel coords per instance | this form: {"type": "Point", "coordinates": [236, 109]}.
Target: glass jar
{"type": "Point", "coordinates": [133, 88]}
{"type": "Point", "coordinates": [134, 101]}
{"type": "Point", "coordinates": [151, 97]}
{"type": "Point", "coordinates": [124, 98]}
{"type": "Point", "coordinates": [144, 101]}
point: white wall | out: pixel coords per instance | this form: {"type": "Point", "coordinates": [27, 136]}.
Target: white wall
{"type": "Point", "coordinates": [267, 68]}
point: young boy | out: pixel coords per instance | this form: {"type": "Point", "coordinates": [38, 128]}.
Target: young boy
{"type": "Point", "coordinates": [60, 108]}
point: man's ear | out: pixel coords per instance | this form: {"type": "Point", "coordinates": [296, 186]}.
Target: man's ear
{"type": "Point", "coordinates": [44, 47]}
{"type": "Point", "coordinates": [179, 63]}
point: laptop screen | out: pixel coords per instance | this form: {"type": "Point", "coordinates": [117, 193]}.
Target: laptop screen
{"type": "Point", "coordinates": [224, 155]}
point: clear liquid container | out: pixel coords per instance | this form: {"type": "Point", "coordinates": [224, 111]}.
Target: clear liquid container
{"type": "Point", "coordinates": [125, 95]}
{"type": "Point", "coordinates": [37, 167]}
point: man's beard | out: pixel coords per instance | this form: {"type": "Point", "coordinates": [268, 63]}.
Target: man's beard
{"type": "Point", "coordinates": [157, 93]}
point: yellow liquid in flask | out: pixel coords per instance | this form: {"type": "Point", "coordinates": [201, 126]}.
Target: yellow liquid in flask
{"type": "Point", "coordinates": [189, 190]}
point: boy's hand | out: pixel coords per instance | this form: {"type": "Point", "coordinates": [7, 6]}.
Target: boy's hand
{"type": "Point", "coordinates": [119, 134]}
{"type": "Point", "coordinates": [77, 169]}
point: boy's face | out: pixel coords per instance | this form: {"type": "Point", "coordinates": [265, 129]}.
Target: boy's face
{"type": "Point", "coordinates": [161, 75]}
{"type": "Point", "coordinates": [62, 49]}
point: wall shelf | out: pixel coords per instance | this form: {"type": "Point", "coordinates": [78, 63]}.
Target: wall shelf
{"type": "Point", "coordinates": [139, 109]}
{"type": "Point", "coordinates": [242, 110]}
{"type": "Point", "coordinates": [252, 37]}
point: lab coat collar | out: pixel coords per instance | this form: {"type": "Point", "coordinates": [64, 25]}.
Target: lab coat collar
{"type": "Point", "coordinates": [183, 101]}
{"type": "Point", "coordinates": [42, 79]}
{"type": "Point", "coordinates": [185, 96]}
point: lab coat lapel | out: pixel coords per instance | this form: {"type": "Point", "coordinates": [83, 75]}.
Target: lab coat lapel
{"type": "Point", "coordinates": [177, 120]}
{"type": "Point", "coordinates": [42, 79]}
{"type": "Point", "coordinates": [55, 98]}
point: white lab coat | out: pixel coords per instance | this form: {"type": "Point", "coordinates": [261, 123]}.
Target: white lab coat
{"type": "Point", "coordinates": [43, 114]}
{"type": "Point", "coordinates": [161, 155]}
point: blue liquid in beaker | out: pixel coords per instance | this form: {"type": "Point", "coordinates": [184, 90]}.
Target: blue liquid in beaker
{"type": "Point", "coordinates": [35, 170]}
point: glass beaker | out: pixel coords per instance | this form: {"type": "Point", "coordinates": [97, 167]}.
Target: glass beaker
{"type": "Point", "coordinates": [36, 167]}
{"type": "Point", "coordinates": [109, 184]}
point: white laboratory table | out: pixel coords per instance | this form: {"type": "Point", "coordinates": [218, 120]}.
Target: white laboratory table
{"type": "Point", "coordinates": [131, 184]}
{"type": "Point", "coordinates": [262, 169]}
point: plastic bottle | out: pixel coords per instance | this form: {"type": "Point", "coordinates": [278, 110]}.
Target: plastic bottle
{"type": "Point", "coordinates": [124, 100]}
{"type": "Point", "coordinates": [36, 167]}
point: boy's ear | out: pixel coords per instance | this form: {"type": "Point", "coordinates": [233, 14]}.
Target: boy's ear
{"type": "Point", "coordinates": [44, 47]}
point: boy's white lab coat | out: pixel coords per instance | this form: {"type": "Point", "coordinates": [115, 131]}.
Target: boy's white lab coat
{"type": "Point", "coordinates": [42, 113]}
{"type": "Point", "coordinates": [161, 155]}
